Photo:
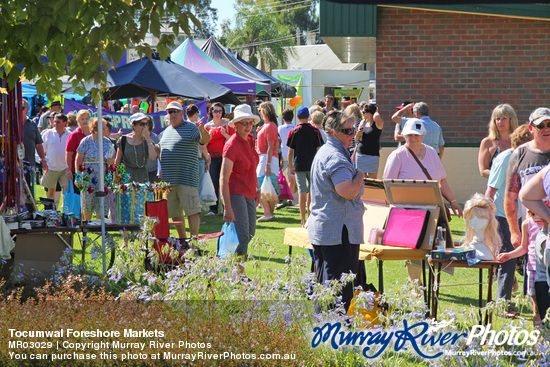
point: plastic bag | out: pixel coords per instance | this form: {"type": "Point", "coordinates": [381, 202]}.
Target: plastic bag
{"type": "Point", "coordinates": [228, 242]}
{"type": "Point", "coordinates": [267, 191]}
{"type": "Point", "coordinates": [207, 195]}
{"type": "Point", "coordinates": [365, 309]}
{"type": "Point", "coordinates": [71, 201]}
{"type": "Point", "coordinates": [285, 189]}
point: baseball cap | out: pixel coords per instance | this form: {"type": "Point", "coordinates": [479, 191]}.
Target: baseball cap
{"type": "Point", "coordinates": [539, 115]}
{"type": "Point", "coordinates": [402, 105]}
{"type": "Point", "coordinates": [414, 126]}
{"type": "Point", "coordinates": [174, 106]}
{"type": "Point", "coordinates": [345, 99]}
{"type": "Point", "coordinates": [303, 112]}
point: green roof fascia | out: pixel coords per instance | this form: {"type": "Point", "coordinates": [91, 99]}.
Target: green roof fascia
{"type": "Point", "coordinates": [347, 20]}
{"type": "Point", "coordinates": [533, 11]}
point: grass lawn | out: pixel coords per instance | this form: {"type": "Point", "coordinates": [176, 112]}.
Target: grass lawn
{"type": "Point", "coordinates": [458, 293]}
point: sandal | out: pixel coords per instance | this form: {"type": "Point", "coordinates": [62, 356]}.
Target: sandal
{"type": "Point", "coordinates": [266, 219]}
{"type": "Point", "coordinates": [516, 285]}
{"type": "Point", "coordinates": [511, 314]}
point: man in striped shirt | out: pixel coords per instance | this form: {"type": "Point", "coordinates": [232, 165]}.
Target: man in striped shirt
{"type": "Point", "coordinates": [179, 147]}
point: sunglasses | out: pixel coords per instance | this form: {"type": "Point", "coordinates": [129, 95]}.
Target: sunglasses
{"type": "Point", "coordinates": [171, 112]}
{"type": "Point", "coordinates": [141, 123]}
{"type": "Point", "coordinates": [246, 123]}
{"type": "Point", "coordinates": [217, 111]}
{"type": "Point", "coordinates": [350, 131]}
{"type": "Point", "coordinates": [542, 125]}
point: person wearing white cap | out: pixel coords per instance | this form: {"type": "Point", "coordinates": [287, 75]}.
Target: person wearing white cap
{"type": "Point", "coordinates": [401, 163]}
{"type": "Point", "coordinates": [417, 161]}
{"type": "Point", "coordinates": [179, 162]}
{"type": "Point", "coordinates": [525, 162]}
{"type": "Point", "coordinates": [136, 148]}
{"type": "Point", "coordinates": [238, 175]}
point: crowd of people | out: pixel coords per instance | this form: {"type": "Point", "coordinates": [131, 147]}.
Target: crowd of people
{"type": "Point", "coordinates": [325, 154]}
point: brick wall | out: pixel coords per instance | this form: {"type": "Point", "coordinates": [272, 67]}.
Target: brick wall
{"type": "Point", "coordinates": [462, 65]}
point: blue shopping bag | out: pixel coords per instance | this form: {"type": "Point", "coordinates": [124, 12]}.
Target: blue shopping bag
{"type": "Point", "coordinates": [71, 201]}
{"type": "Point", "coordinates": [228, 242]}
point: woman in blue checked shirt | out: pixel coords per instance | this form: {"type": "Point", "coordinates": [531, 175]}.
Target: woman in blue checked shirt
{"type": "Point", "coordinates": [335, 225]}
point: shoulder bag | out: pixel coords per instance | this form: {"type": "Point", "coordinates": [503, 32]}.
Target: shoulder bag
{"type": "Point", "coordinates": [447, 210]}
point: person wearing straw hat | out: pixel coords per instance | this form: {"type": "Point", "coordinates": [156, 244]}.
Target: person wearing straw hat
{"type": "Point", "coordinates": [238, 171]}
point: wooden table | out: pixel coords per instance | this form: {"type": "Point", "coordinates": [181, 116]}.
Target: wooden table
{"type": "Point", "coordinates": [298, 237]}
{"type": "Point", "coordinates": [491, 266]}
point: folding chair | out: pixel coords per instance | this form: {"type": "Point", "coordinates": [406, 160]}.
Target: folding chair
{"type": "Point", "coordinates": [161, 231]}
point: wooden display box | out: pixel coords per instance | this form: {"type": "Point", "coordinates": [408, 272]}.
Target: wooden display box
{"type": "Point", "coordinates": [380, 195]}
{"type": "Point", "coordinates": [37, 253]}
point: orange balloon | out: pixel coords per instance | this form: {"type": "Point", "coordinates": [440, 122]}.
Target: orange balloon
{"type": "Point", "coordinates": [295, 101]}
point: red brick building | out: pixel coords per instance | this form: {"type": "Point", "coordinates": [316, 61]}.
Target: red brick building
{"type": "Point", "coordinates": [461, 60]}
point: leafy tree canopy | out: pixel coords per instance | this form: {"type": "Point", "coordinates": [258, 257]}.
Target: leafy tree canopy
{"type": "Point", "coordinates": [207, 15]}
{"type": "Point", "coordinates": [299, 14]}
{"type": "Point", "coordinates": [259, 30]}
{"type": "Point", "coordinates": [84, 29]}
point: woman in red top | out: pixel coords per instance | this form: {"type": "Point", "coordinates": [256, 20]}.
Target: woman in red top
{"type": "Point", "coordinates": [73, 141]}
{"type": "Point", "coordinates": [238, 171]}
{"type": "Point", "coordinates": [266, 146]}
{"type": "Point", "coordinates": [220, 132]}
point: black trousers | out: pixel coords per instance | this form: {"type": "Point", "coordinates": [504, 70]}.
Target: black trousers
{"type": "Point", "coordinates": [215, 169]}
{"type": "Point", "coordinates": [332, 261]}
{"type": "Point", "coordinates": [505, 278]}
{"type": "Point", "coordinates": [542, 298]}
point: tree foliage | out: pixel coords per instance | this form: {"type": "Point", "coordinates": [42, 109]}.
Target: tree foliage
{"type": "Point", "coordinates": [260, 31]}
{"type": "Point", "coordinates": [207, 16]}
{"type": "Point", "coordinates": [31, 31]}
{"type": "Point", "coordinates": [299, 14]}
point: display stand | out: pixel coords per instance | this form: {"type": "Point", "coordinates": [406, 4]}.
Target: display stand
{"type": "Point", "coordinates": [87, 230]}
{"type": "Point", "coordinates": [418, 192]}
{"type": "Point", "coordinates": [377, 198]}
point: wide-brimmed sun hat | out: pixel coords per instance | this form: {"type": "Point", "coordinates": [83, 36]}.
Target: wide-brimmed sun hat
{"type": "Point", "coordinates": [414, 126]}
{"type": "Point", "coordinates": [243, 112]}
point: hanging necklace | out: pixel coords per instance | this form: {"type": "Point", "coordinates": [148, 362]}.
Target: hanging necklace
{"type": "Point", "coordinates": [135, 152]}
